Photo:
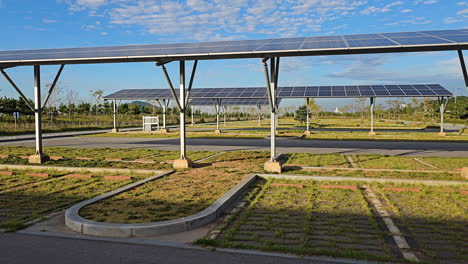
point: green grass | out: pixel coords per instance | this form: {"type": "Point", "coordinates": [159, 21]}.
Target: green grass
{"type": "Point", "coordinates": [180, 194]}
{"type": "Point", "coordinates": [317, 160]}
{"type": "Point", "coordinates": [99, 155]}
{"type": "Point", "coordinates": [387, 136]}
{"type": "Point", "coordinates": [18, 206]}
{"type": "Point", "coordinates": [451, 176]}
{"type": "Point", "coordinates": [436, 218]}
{"type": "Point", "coordinates": [389, 162]}
{"type": "Point", "coordinates": [306, 221]}
{"type": "Point", "coordinates": [447, 163]}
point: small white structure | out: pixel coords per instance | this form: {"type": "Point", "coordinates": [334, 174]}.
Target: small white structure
{"type": "Point", "coordinates": [337, 111]}
{"type": "Point", "coordinates": [149, 122]}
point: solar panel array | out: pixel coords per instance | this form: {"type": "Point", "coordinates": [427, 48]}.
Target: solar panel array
{"type": "Point", "coordinates": [348, 91]}
{"type": "Point", "coordinates": [240, 101]}
{"type": "Point", "coordinates": [361, 43]}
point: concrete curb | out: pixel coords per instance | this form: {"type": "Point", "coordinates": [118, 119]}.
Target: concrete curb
{"type": "Point", "coordinates": [79, 224]}
{"type": "Point", "coordinates": [336, 178]}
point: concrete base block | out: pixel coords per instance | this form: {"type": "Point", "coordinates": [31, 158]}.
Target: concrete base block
{"type": "Point", "coordinates": [164, 130]}
{"type": "Point", "coordinates": [276, 132]}
{"type": "Point", "coordinates": [372, 133]}
{"type": "Point", "coordinates": [307, 133]}
{"type": "Point", "coordinates": [442, 134]}
{"type": "Point", "coordinates": [217, 131]}
{"type": "Point", "coordinates": [273, 166]}
{"type": "Point", "coordinates": [115, 130]}
{"type": "Point", "coordinates": [182, 164]}
{"type": "Point", "coordinates": [41, 158]}
{"type": "Point", "coordinates": [464, 172]}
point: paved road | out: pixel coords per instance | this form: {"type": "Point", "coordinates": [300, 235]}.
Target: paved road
{"type": "Point", "coordinates": [445, 149]}
{"type": "Point", "coordinates": [22, 248]}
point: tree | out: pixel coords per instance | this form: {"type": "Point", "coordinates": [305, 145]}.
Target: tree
{"type": "Point", "coordinates": [97, 95]}
{"type": "Point", "coordinates": [301, 114]}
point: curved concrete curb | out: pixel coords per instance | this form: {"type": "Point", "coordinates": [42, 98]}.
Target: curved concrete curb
{"type": "Point", "coordinates": [79, 224]}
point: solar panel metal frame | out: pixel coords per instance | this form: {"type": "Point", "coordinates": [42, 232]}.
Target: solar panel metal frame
{"type": "Point", "coordinates": [418, 41]}
{"type": "Point", "coordinates": [336, 91]}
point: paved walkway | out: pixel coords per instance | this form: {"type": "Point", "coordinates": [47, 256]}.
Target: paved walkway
{"type": "Point", "coordinates": [22, 248]}
{"type": "Point", "coordinates": [444, 149]}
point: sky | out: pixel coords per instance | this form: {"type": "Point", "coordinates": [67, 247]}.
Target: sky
{"type": "Point", "coordinates": [32, 24]}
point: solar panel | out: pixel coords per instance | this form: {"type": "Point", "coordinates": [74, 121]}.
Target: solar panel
{"type": "Point", "coordinates": [259, 48]}
{"type": "Point", "coordinates": [349, 91]}
{"type": "Point", "coordinates": [246, 102]}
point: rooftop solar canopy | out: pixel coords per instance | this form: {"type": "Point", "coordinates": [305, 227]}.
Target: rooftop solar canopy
{"type": "Point", "coordinates": [345, 91]}
{"type": "Point", "coordinates": [239, 101]}
{"type": "Point", "coordinates": [303, 46]}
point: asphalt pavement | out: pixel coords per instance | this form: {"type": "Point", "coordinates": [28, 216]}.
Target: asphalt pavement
{"type": "Point", "coordinates": [24, 248]}
{"type": "Point", "coordinates": [443, 149]}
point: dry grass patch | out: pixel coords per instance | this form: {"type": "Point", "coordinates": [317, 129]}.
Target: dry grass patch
{"type": "Point", "coordinates": [180, 194]}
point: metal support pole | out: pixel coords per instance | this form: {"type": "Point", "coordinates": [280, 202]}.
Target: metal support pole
{"type": "Point", "coordinates": [115, 115]}
{"type": "Point", "coordinates": [371, 109]}
{"type": "Point", "coordinates": [217, 114]}
{"type": "Point", "coordinates": [463, 66]}
{"type": "Point", "coordinates": [191, 113]}
{"type": "Point", "coordinates": [182, 110]}
{"type": "Point", "coordinates": [52, 87]}
{"type": "Point", "coordinates": [38, 109]}
{"type": "Point", "coordinates": [307, 115]}
{"type": "Point", "coordinates": [164, 106]}
{"type": "Point", "coordinates": [274, 63]}
{"type": "Point", "coordinates": [224, 113]}
{"type": "Point", "coordinates": [442, 110]}
{"type": "Point", "coordinates": [259, 115]}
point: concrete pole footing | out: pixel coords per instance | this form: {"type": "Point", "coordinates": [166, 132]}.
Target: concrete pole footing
{"type": "Point", "coordinates": [273, 166]}
{"type": "Point", "coordinates": [115, 130]}
{"type": "Point", "coordinates": [39, 158]}
{"type": "Point", "coordinates": [217, 131]}
{"type": "Point", "coordinates": [372, 133]}
{"type": "Point", "coordinates": [182, 164]}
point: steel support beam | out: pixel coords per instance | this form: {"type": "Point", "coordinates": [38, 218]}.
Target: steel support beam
{"type": "Point", "coordinates": [192, 108]}
{"type": "Point", "coordinates": [442, 104]}
{"type": "Point", "coordinates": [13, 84]}
{"type": "Point", "coordinates": [307, 116]}
{"type": "Point", "coordinates": [217, 103]}
{"type": "Point", "coordinates": [463, 66]}
{"type": "Point", "coordinates": [371, 110]}
{"type": "Point", "coordinates": [169, 83]}
{"type": "Point", "coordinates": [52, 87]}
{"type": "Point", "coordinates": [38, 109]}
{"type": "Point", "coordinates": [272, 84]}
{"type": "Point", "coordinates": [164, 108]}
{"type": "Point", "coordinates": [259, 115]}
{"type": "Point", "coordinates": [224, 113]}
{"type": "Point", "coordinates": [114, 111]}
{"type": "Point", "coordinates": [181, 103]}
{"type": "Point", "coordinates": [194, 69]}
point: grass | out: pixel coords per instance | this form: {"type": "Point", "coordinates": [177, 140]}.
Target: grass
{"type": "Point", "coordinates": [306, 221]}
{"type": "Point", "coordinates": [390, 162]}
{"type": "Point", "coordinates": [317, 160]}
{"type": "Point", "coordinates": [251, 134]}
{"type": "Point", "coordinates": [436, 218]}
{"type": "Point", "coordinates": [20, 205]}
{"type": "Point", "coordinates": [180, 194]}
{"type": "Point", "coordinates": [447, 163]}
{"type": "Point", "coordinates": [99, 155]}
{"type": "Point", "coordinates": [451, 176]}
{"type": "Point", "coordinates": [387, 136]}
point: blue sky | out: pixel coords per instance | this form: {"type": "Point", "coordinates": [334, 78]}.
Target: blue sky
{"type": "Point", "coordinates": [32, 24]}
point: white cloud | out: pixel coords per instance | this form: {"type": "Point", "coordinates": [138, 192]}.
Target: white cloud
{"type": "Point", "coordinates": [1, 4]}
{"type": "Point", "coordinates": [48, 21]}
{"type": "Point", "coordinates": [463, 12]}
{"type": "Point", "coordinates": [221, 19]}
{"type": "Point", "coordinates": [426, 2]}
{"type": "Point", "coordinates": [386, 8]}
{"type": "Point", "coordinates": [104, 33]}
{"type": "Point", "coordinates": [414, 21]}
{"type": "Point", "coordinates": [406, 10]}
{"type": "Point", "coordinates": [464, 3]}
